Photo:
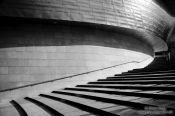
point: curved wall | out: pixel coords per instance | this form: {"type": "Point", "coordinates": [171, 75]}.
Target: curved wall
{"type": "Point", "coordinates": [141, 15]}
{"type": "Point", "coordinates": [99, 33]}
{"type": "Point", "coordinates": [32, 53]}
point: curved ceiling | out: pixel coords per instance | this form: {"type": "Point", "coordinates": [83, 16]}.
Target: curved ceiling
{"type": "Point", "coordinates": [143, 16]}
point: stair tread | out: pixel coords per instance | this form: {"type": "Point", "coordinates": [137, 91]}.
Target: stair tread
{"type": "Point", "coordinates": [113, 108]}
{"type": "Point", "coordinates": [133, 90]}
{"type": "Point", "coordinates": [147, 72]}
{"type": "Point", "coordinates": [147, 85]}
{"type": "Point", "coordinates": [138, 78]}
{"type": "Point", "coordinates": [135, 82]}
{"type": "Point", "coordinates": [85, 106]}
{"type": "Point", "coordinates": [117, 110]}
{"type": "Point", "coordinates": [123, 90]}
{"type": "Point", "coordinates": [32, 109]}
{"type": "Point", "coordinates": [85, 101]}
{"type": "Point", "coordinates": [129, 85]}
{"type": "Point", "coordinates": [138, 100]}
{"type": "Point", "coordinates": [126, 90]}
{"type": "Point", "coordinates": [121, 97]}
{"type": "Point", "coordinates": [112, 96]}
{"type": "Point", "coordinates": [8, 110]}
{"type": "Point", "coordinates": [150, 74]}
{"type": "Point", "coordinates": [146, 94]}
{"type": "Point", "coordinates": [60, 107]}
{"type": "Point", "coordinates": [139, 81]}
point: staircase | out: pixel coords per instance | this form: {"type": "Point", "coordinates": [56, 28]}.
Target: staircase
{"type": "Point", "coordinates": [126, 94]}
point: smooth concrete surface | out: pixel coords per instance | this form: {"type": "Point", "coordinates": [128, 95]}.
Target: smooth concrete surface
{"type": "Point", "coordinates": [26, 65]}
{"type": "Point", "coordinates": [8, 110]}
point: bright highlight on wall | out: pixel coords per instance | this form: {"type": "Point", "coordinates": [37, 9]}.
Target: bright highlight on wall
{"type": "Point", "coordinates": [25, 65]}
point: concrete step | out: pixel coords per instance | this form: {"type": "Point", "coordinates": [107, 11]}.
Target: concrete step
{"type": "Point", "coordinates": [31, 108]}
{"type": "Point", "coordinates": [148, 72]}
{"type": "Point", "coordinates": [129, 92]}
{"type": "Point", "coordinates": [147, 75]}
{"type": "Point", "coordinates": [85, 101]}
{"type": "Point", "coordinates": [135, 82]}
{"type": "Point", "coordinates": [115, 99]}
{"type": "Point", "coordinates": [151, 70]}
{"type": "Point", "coordinates": [115, 80]}
{"type": "Point", "coordinates": [78, 104]}
{"type": "Point", "coordinates": [134, 102]}
{"type": "Point", "coordinates": [63, 108]}
{"type": "Point", "coordinates": [45, 107]}
{"type": "Point", "coordinates": [141, 78]}
{"type": "Point", "coordinates": [138, 87]}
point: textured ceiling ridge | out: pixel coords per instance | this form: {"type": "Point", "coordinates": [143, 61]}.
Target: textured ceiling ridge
{"type": "Point", "coordinates": [135, 14]}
